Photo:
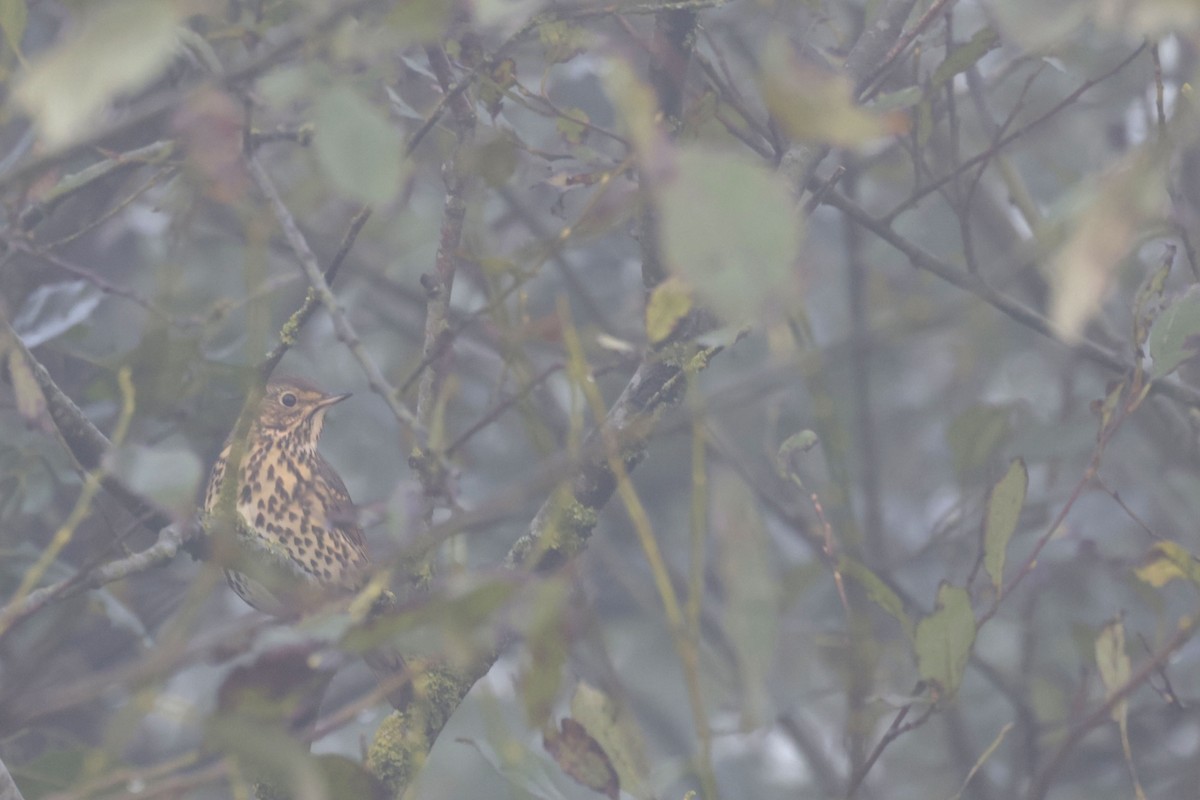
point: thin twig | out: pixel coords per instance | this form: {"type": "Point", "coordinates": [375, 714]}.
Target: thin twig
{"type": "Point", "coordinates": [292, 327]}
{"type": "Point", "coordinates": [1004, 141]}
{"type": "Point", "coordinates": [341, 325]}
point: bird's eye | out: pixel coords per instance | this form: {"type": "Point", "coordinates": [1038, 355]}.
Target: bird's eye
{"type": "Point", "coordinates": [288, 399]}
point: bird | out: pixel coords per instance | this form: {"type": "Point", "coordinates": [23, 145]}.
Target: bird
{"type": "Point", "coordinates": [301, 543]}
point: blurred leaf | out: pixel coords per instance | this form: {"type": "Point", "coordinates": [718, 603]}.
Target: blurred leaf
{"type": "Point", "coordinates": [13, 16]}
{"type": "Point", "coordinates": [571, 127]}
{"type": "Point", "coordinates": [1173, 337]}
{"type": "Point", "coordinates": [546, 641]}
{"type": "Point", "coordinates": [792, 447]}
{"type": "Point", "coordinates": [53, 772]}
{"type": "Point", "coordinates": [901, 99]}
{"type": "Point", "coordinates": [53, 309]}
{"type": "Point", "coordinates": [419, 21]}
{"type": "Point", "coordinates": [456, 621]}
{"type": "Point", "coordinates": [349, 780]}
{"type": "Point", "coordinates": [562, 41]}
{"type": "Point", "coordinates": [976, 435]}
{"type": "Point", "coordinates": [357, 147]}
{"type": "Point", "coordinates": [813, 104]}
{"type": "Point", "coordinates": [730, 228]}
{"type": "Point", "coordinates": [495, 83]}
{"type": "Point", "coordinates": [638, 111]}
{"type": "Point", "coordinates": [495, 160]}
{"type": "Point", "coordinates": [669, 303]}
{"type": "Point", "coordinates": [1098, 240]}
{"type": "Point", "coordinates": [266, 754]}
{"type": "Point", "coordinates": [745, 567]}
{"type": "Point", "coordinates": [1147, 301]}
{"type": "Point", "coordinates": [1166, 562]}
{"type": "Point", "coordinates": [123, 46]}
{"type": "Point", "coordinates": [944, 640]}
{"type": "Point", "coordinates": [1113, 663]}
{"type": "Point", "coordinates": [965, 56]}
{"type": "Point", "coordinates": [281, 686]}
{"type": "Point", "coordinates": [514, 762]}
{"type": "Point", "coordinates": [169, 474]}
{"type": "Point", "coordinates": [582, 757]}
{"type": "Point", "coordinates": [31, 403]}
{"type": "Point", "coordinates": [880, 593]}
{"type": "Point", "coordinates": [617, 734]}
{"type": "Point", "coordinates": [1003, 512]}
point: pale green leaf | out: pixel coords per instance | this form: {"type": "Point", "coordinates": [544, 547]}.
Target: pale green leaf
{"type": "Point", "coordinates": [1113, 662]}
{"type": "Point", "coordinates": [120, 48]}
{"type": "Point", "coordinates": [976, 435]}
{"type": "Point", "coordinates": [1172, 339]}
{"type": "Point", "coordinates": [1003, 512]}
{"type": "Point", "coordinates": [964, 57]}
{"type": "Point", "coordinates": [730, 228]}
{"type": "Point", "coordinates": [669, 303]}
{"type": "Point", "coordinates": [880, 593]}
{"type": "Point", "coordinates": [1167, 562]}
{"type": "Point", "coordinates": [1099, 238]}
{"type": "Point", "coordinates": [13, 16]}
{"type": "Point", "coordinates": [618, 733]}
{"type": "Point", "coordinates": [745, 568]}
{"type": "Point", "coordinates": [357, 147]}
{"type": "Point", "coordinates": [944, 640]}
{"type": "Point", "coordinates": [818, 106]}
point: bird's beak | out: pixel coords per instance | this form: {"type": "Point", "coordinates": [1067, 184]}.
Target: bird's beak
{"type": "Point", "coordinates": [331, 400]}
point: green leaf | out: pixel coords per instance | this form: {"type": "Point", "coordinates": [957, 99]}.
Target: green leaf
{"type": "Point", "coordinates": [730, 228]}
{"type": "Point", "coordinates": [358, 148]}
{"type": "Point", "coordinates": [745, 568]}
{"type": "Point", "coordinates": [1113, 663]}
{"type": "Point", "coordinates": [907, 97]}
{"type": "Point", "coordinates": [785, 458]}
{"type": "Point", "coordinates": [815, 105]}
{"type": "Point", "coordinates": [120, 48]}
{"type": "Point", "coordinates": [1147, 301]}
{"type": "Point", "coordinates": [562, 41]}
{"type": "Point", "coordinates": [880, 593]}
{"type": "Point", "coordinates": [616, 732]}
{"type": "Point", "coordinates": [1171, 339]}
{"type": "Point", "coordinates": [13, 16]}
{"type": "Point", "coordinates": [976, 435]}
{"type": "Point", "coordinates": [964, 57]}
{"type": "Point", "coordinates": [944, 640]}
{"type": "Point", "coordinates": [1167, 562]}
{"type": "Point", "coordinates": [546, 637]}
{"type": "Point", "coordinates": [1003, 511]}
{"type": "Point", "coordinates": [1100, 236]}
{"type": "Point", "coordinates": [669, 303]}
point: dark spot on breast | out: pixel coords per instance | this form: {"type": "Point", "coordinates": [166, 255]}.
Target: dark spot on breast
{"type": "Point", "coordinates": [260, 520]}
{"type": "Point", "coordinates": [270, 472]}
{"type": "Point", "coordinates": [246, 493]}
{"type": "Point", "coordinates": [260, 505]}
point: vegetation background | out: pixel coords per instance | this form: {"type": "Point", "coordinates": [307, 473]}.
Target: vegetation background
{"type": "Point", "coordinates": [752, 399]}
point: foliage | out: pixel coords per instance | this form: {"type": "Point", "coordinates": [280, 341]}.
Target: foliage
{"type": "Point", "coordinates": [751, 399]}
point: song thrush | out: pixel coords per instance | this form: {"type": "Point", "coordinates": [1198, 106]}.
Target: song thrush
{"type": "Point", "coordinates": [296, 518]}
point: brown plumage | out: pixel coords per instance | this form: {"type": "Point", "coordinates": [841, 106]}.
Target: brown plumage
{"type": "Point", "coordinates": [294, 507]}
